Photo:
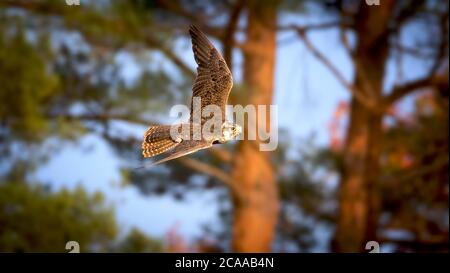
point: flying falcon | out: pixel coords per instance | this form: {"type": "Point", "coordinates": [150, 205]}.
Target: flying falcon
{"type": "Point", "coordinates": [212, 85]}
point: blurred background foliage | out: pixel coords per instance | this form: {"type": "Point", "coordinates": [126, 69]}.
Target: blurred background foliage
{"type": "Point", "coordinates": [34, 219]}
{"type": "Point", "coordinates": [61, 78]}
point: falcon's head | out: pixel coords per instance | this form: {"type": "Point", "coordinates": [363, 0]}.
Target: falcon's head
{"type": "Point", "coordinates": [229, 131]}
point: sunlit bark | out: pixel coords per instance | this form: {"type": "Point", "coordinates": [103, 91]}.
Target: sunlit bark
{"type": "Point", "coordinates": [255, 214]}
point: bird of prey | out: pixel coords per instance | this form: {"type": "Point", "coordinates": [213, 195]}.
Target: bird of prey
{"type": "Point", "coordinates": [212, 85]}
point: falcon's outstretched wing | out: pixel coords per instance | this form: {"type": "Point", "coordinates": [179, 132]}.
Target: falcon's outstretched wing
{"type": "Point", "coordinates": [213, 85]}
{"type": "Point", "coordinates": [214, 80]}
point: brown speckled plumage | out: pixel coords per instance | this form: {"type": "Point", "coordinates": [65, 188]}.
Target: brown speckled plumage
{"type": "Point", "coordinates": [212, 84]}
{"type": "Point", "coordinates": [157, 140]}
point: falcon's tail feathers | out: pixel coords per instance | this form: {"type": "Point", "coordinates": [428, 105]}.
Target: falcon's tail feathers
{"type": "Point", "coordinates": [157, 140]}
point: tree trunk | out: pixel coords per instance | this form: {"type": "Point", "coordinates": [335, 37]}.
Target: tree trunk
{"type": "Point", "coordinates": [256, 213]}
{"type": "Point", "coordinates": [358, 193]}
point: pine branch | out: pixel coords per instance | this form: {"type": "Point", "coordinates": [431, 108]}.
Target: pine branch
{"type": "Point", "coordinates": [213, 172]}
{"type": "Point", "coordinates": [154, 42]}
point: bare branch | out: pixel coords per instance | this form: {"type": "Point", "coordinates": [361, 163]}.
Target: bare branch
{"type": "Point", "coordinates": [431, 79]}
{"type": "Point", "coordinates": [437, 242]}
{"type": "Point", "coordinates": [177, 8]}
{"type": "Point", "coordinates": [206, 169]}
{"type": "Point", "coordinates": [228, 37]}
{"type": "Point", "coordinates": [442, 49]}
{"type": "Point", "coordinates": [154, 42]}
{"type": "Point", "coordinates": [400, 91]}
{"type": "Point", "coordinates": [416, 52]}
{"type": "Point", "coordinates": [221, 154]}
{"type": "Point", "coordinates": [355, 92]}
{"type": "Point", "coordinates": [104, 117]}
{"type": "Point", "coordinates": [213, 172]}
{"type": "Point", "coordinates": [321, 26]}
{"type": "Point", "coordinates": [418, 171]}
{"type": "Point", "coordinates": [361, 69]}
{"type": "Point", "coordinates": [406, 13]}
